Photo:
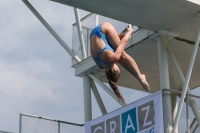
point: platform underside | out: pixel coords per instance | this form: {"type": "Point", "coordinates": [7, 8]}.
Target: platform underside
{"type": "Point", "coordinates": [177, 16]}
{"type": "Point", "coordinates": [153, 15]}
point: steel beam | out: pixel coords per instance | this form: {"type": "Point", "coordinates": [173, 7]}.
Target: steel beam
{"type": "Point", "coordinates": [79, 28]}
{"type": "Point", "coordinates": [87, 98]}
{"type": "Point", "coordinates": [181, 78]}
{"type": "Point", "coordinates": [58, 127]}
{"type": "Point", "coordinates": [174, 106]}
{"type": "Point", "coordinates": [98, 98]}
{"type": "Point", "coordinates": [185, 86]}
{"type": "Point", "coordinates": [164, 82]}
{"type": "Point", "coordinates": [97, 20]}
{"type": "Point", "coordinates": [20, 123]}
{"type": "Point", "coordinates": [111, 93]}
{"type": "Point", "coordinates": [50, 29]}
{"type": "Point", "coordinates": [187, 114]}
{"type": "Point", "coordinates": [4, 132]}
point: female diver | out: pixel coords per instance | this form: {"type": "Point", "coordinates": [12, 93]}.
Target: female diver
{"type": "Point", "coordinates": [107, 48]}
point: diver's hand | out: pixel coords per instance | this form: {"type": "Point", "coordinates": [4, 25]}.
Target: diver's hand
{"type": "Point", "coordinates": [121, 35]}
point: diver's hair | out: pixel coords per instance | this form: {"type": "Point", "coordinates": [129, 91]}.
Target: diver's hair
{"type": "Point", "coordinates": [112, 79]}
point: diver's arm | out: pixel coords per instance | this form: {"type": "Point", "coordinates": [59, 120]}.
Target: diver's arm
{"type": "Point", "coordinates": [114, 57]}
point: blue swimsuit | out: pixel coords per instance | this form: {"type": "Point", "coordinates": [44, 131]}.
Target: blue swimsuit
{"type": "Point", "coordinates": [97, 31]}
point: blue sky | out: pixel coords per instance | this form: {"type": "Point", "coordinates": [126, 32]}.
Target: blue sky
{"type": "Point", "coordinates": [36, 74]}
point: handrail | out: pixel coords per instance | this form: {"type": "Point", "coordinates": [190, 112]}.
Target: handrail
{"type": "Point", "coordinates": [4, 132]}
{"type": "Point", "coordinates": [50, 119]}
{"type": "Point", "coordinates": [82, 19]}
{"type": "Point", "coordinates": [179, 92]}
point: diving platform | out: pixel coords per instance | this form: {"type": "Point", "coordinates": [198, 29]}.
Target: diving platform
{"type": "Point", "coordinates": [153, 15]}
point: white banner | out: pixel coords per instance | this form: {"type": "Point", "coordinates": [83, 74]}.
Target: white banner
{"type": "Point", "coordinates": [142, 116]}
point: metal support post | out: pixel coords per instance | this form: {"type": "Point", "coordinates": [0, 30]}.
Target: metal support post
{"type": "Point", "coordinates": [181, 78]}
{"type": "Point", "coordinates": [79, 28]}
{"type": "Point", "coordinates": [164, 82]}
{"type": "Point", "coordinates": [58, 127]}
{"type": "Point", "coordinates": [57, 37]}
{"type": "Point", "coordinates": [187, 80]}
{"type": "Point", "coordinates": [163, 62]}
{"type": "Point", "coordinates": [4, 132]}
{"type": "Point", "coordinates": [187, 114]}
{"type": "Point", "coordinates": [111, 93]}
{"type": "Point", "coordinates": [98, 98]}
{"type": "Point", "coordinates": [174, 106]}
{"type": "Point", "coordinates": [87, 99]}
{"type": "Point", "coordinates": [88, 44]}
{"type": "Point", "coordinates": [97, 20]}
{"type": "Point", "coordinates": [20, 123]}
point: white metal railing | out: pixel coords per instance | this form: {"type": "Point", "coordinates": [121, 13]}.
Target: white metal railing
{"type": "Point", "coordinates": [5, 132]}
{"type": "Point", "coordinates": [36, 124]}
{"type": "Point", "coordinates": [76, 47]}
{"type": "Point", "coordinates": [51, 30]}
{"type": "Point", "coordinates": [187, 79]}
{"type": "Point", "coordinates": [188, 122]}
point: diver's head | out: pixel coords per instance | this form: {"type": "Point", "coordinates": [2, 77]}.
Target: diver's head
{"type": "Point", "coordinates": [113, 74]}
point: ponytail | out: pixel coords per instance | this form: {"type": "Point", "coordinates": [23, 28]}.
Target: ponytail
{"type": "Point", "coordinates": [116, 90]}
{"type": "Point", "coordinates": [113, 77]}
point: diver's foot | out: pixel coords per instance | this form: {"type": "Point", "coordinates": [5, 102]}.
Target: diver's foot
{"type": "Point", "coordinates": [144, 83]}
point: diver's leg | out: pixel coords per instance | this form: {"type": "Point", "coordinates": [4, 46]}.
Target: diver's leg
{"type": "Point", "coordinates": [111, 34]}
{"type": "Point", "coordinates": [130, 65]}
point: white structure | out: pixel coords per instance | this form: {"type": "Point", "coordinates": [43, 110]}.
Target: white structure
{"type": "Point", "coordinates": [172, 24]}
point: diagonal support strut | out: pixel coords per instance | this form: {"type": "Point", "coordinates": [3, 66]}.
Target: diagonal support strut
{"type": "Point", "coordinates": [180, 106]}
{"type": "Point", "coordinates": [50, 29]}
